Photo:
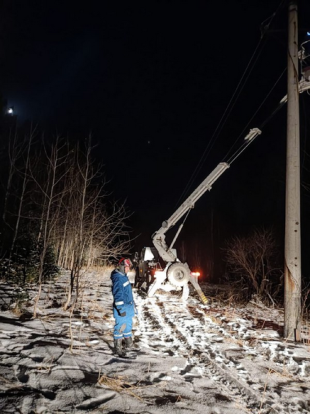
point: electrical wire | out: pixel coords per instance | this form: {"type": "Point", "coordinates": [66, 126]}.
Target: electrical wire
{"type": "Point", "coordinates": [230, 105]}
{"type": "Point", "coordinates": [221, 123]}
{"type": "Point", "coordinates": [263, 123]}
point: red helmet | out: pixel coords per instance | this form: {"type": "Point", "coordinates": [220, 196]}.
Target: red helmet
{"type": "Point", "coordinates": [125, 262]}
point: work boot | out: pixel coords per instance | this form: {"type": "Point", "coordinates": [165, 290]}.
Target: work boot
{"type": "Point", "coordinates": [118, 347]}
{"type": "Point", "coordinates": [130, 345]}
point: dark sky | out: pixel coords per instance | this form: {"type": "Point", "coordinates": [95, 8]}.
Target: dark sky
{"type": "Point", "coordinates": [152, 80]}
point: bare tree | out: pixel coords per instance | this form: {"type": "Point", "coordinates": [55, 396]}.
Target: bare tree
{"type": "Point", "coordinates": [93, 224]}
{"type": "Point", "coordinates": [14, 152]}
{"type": "Point", "coordinates": [85, 176]}
{"type": "Point", "coordinates": [14, 260]}
{"type": "Point", "coordinates": [52, 193]}
{"type": "Point", "coordinates": [62, 207]}
{"type": "Point", "coordinates": [112, 235]}
{"type": "Point", "coordinates": [22, 192]}
{"type": "Point", "coordinates": [252, 265]}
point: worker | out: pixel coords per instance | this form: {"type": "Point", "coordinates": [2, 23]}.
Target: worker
{"type": "Point", "coordinates": [123, 307]}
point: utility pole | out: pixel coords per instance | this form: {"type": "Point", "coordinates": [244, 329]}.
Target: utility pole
{"type": "Point", "coordinates": [292, 253]}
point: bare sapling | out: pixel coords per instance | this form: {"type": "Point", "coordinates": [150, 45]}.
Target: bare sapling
{"type": "Point", "coordinates": [52, 192]}
{"type": "Point", "coordinates": [25, 178]}
{"type": "Point", "coordinates": [95, 227]}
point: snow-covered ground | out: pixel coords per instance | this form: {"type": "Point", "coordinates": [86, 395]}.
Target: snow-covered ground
{"type": "Point", "coordinates": [194, 358]}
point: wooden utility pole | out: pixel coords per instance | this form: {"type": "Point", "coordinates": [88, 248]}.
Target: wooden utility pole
{"type": "Point", "coordinates": [292, 254]}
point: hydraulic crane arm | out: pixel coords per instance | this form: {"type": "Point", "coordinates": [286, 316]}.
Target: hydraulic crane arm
{"type": "Point", "coordinates": [159, 242]}
{"type": "Point", "coordinates": [159, 237]}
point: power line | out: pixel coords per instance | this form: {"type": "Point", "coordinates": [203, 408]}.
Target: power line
{"type": "Point", "coordinates": [241, 84]}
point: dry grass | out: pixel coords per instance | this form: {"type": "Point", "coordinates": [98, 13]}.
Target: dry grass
{"type": "Point", "coordinates": [119, 384]}
{"type": "Point", "coordinates": [236, 341]}
{"type": "Point", "coordinates": [47, 366]}
{"type": "Point", "coordinates": [17, 311]}
{"type": "Point", "coordinates": [214, 319]}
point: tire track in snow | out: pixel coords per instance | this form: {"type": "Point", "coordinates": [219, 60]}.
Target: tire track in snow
{"type": "Point", "coordinates": [220, 344]}
{"type": "Point", "coordinates": [261, 353]}
{"type": "Point", "coordinates": [214, 361]}
{"type": "Point", "coordinates": [162, 319]}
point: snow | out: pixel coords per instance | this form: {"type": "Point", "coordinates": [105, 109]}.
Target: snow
{"type": "Point", "coordinates": [194, 358]}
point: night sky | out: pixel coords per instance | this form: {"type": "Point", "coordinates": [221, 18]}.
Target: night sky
{"type": "Point", "coordinates": [152, 81]}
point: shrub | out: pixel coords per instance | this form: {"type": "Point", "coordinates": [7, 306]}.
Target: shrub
{"type": "Point", "coordinates": [252, 264]}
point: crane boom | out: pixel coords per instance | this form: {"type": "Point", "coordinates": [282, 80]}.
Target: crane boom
{"type": "Point", "coordinates": [158, 238]}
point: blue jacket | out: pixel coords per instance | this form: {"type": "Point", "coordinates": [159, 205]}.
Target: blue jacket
{"type": "Point", "coordinates": [122, 293]}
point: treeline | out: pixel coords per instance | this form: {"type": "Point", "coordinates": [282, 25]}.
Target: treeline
{"type": "Point", "coordinates": [55, 211]}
